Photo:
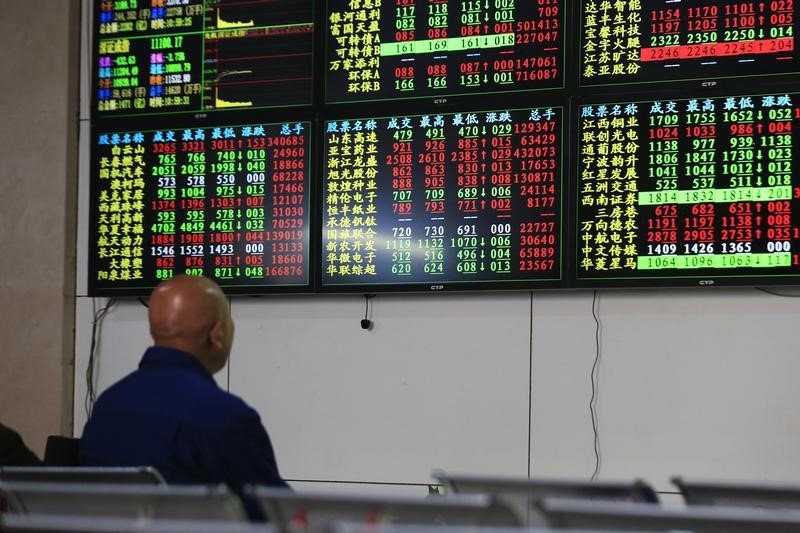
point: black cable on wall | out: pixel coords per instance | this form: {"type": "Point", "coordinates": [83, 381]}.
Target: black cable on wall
{"type": "Point", "coordinates": [594, 378]}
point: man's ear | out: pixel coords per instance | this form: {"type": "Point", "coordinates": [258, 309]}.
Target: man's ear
{"type": "Point", "coordinates": [216, 335]}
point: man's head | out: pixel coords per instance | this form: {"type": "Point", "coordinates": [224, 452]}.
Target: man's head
{"type": "Point", "coordinates": [191, 313]}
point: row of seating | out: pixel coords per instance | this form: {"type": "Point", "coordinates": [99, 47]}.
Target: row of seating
{"type": "Point", "coordinates": [137, 499]}
{"type": "Point", "coordinates": [139, 475]}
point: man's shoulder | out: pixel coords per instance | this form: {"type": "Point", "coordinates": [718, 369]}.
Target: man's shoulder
{"type": "Point", "coordinates": [169, 389]}
{"type": "Point", "coordinates": [212, 402]}
{"type": "Point", "coordinates": [187, 396]}
{"type": "Point", "coordinates": [223, 401]}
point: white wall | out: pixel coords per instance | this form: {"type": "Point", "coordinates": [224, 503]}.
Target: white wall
{"type": "Point", "coordinates": [698, 383]}
{"type": "Point", "coordinates": [701, 383]}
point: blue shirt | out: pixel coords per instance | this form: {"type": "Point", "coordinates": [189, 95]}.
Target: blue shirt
{"type": "Point", "coordinates": [172, 415]}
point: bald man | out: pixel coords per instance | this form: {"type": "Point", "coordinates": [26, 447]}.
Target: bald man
{"type": "Point", "coordinates": [170, 413]}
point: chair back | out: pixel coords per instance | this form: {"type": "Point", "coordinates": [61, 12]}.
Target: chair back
{"type": "Point", "coordinates": [524, 493]}
{"type": "Point", "coordinates": [137, 475]}
{"type": "Point", "coordinates": [742, 494]}
{"type": "Point", "coordinates": [61, 451]}
{"type": "Point", "coordinates": [20, 523]}
{"type": "Point", "coordinates": [347, 527]}
{"type": "Point", "coordinates": [132, 501]}
{"type": "Point", "coordinates": [315, 512]}
{"type": "Point", "coordinates": [627, 516]}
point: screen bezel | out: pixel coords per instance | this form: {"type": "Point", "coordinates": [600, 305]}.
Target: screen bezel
{"type": "Point", "coordinates": [728, 82]}
{"type": "Point", "coordinates": [150, 123]}
{"type": "Point", "coordinates": [434, 100]}
{"type": "Point", "coordinates": [97, 116]}
{"type": "Point", "coordinates": [711, 279]}
{"type": "Point", "coordinates": [449, 106]}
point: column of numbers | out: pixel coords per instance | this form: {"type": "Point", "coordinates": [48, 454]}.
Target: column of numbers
{"type": "Point", "coordinates": [288, 207]}
{"type": "Point", "coordinates": [224, 215]}
{"type": "Point", "coordinates": [192, 220]}
{"type": "Point", "coordinates": [466, 157]}
{"type": "Point", "coordinates": [400, 161]}
{"type": "Point", "coordinates": [255, 208]}
{"type": "Point", "coordinates": [536, 147]}
{"type": "Point", "coordinates": [500, 141]}
{"type": "Point", "coordinates": [163, 224]}
{"type": "Point", "coordinates": [434, 161]}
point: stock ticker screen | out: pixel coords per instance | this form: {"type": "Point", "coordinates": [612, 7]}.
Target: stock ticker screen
{"type": "Point", "coordinates": [663, 40]}
{"type": "Point", "coordinates": [196, 56]}
{"type": "Point", "coordinates": [443, 201]}
{"type": "Point", "coordinates": [675, 184]}
{"type": "Point", "coordinates": [230, 203]}
{"type": "Point", "coordinates": [430, 48]}
{"type": "Point", "coordinates": [689, 191]}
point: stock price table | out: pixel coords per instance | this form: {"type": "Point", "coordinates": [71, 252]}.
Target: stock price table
{"type": "Point", "coordinates": [689, 191]}
{"type": "Point", "coordinates": [435, 200]}
{"type": "Point", "coordinates": [201, 55]}
{"type": "Point", "coordinates": [663, 40]}
{"type": "Point", "coordinates": [229, 203]}
{"type": "Point", "coordinates": [414, 48]}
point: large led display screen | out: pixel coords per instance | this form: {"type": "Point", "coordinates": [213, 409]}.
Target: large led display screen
{"type": "Point", "coordinates": [443, 201]}
{"type": "Point", "coordinates": [438, 48]}
{"type": "Point", "coordinates": [198, 56]}
{"type": "Point", "coordinates": [688, 191]}
{"type": "Point", "coordinates": [665, 41]}
{"type": "Point", "coordinates": [230, 203]}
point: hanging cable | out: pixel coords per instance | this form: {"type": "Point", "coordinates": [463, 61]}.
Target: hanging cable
{"type": "Point", "coordinates": [775, 293]}
{"type": "Point", "coordinates": [228, 370]}
{"type": "Point", "coordinates": [594, 377]}
{"type": "Point", "coordinates": [366, 323]}
{"type": "Point", "coordinates": [530, 384]}
{"type": "Point", "coordinates": [98, 316]}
